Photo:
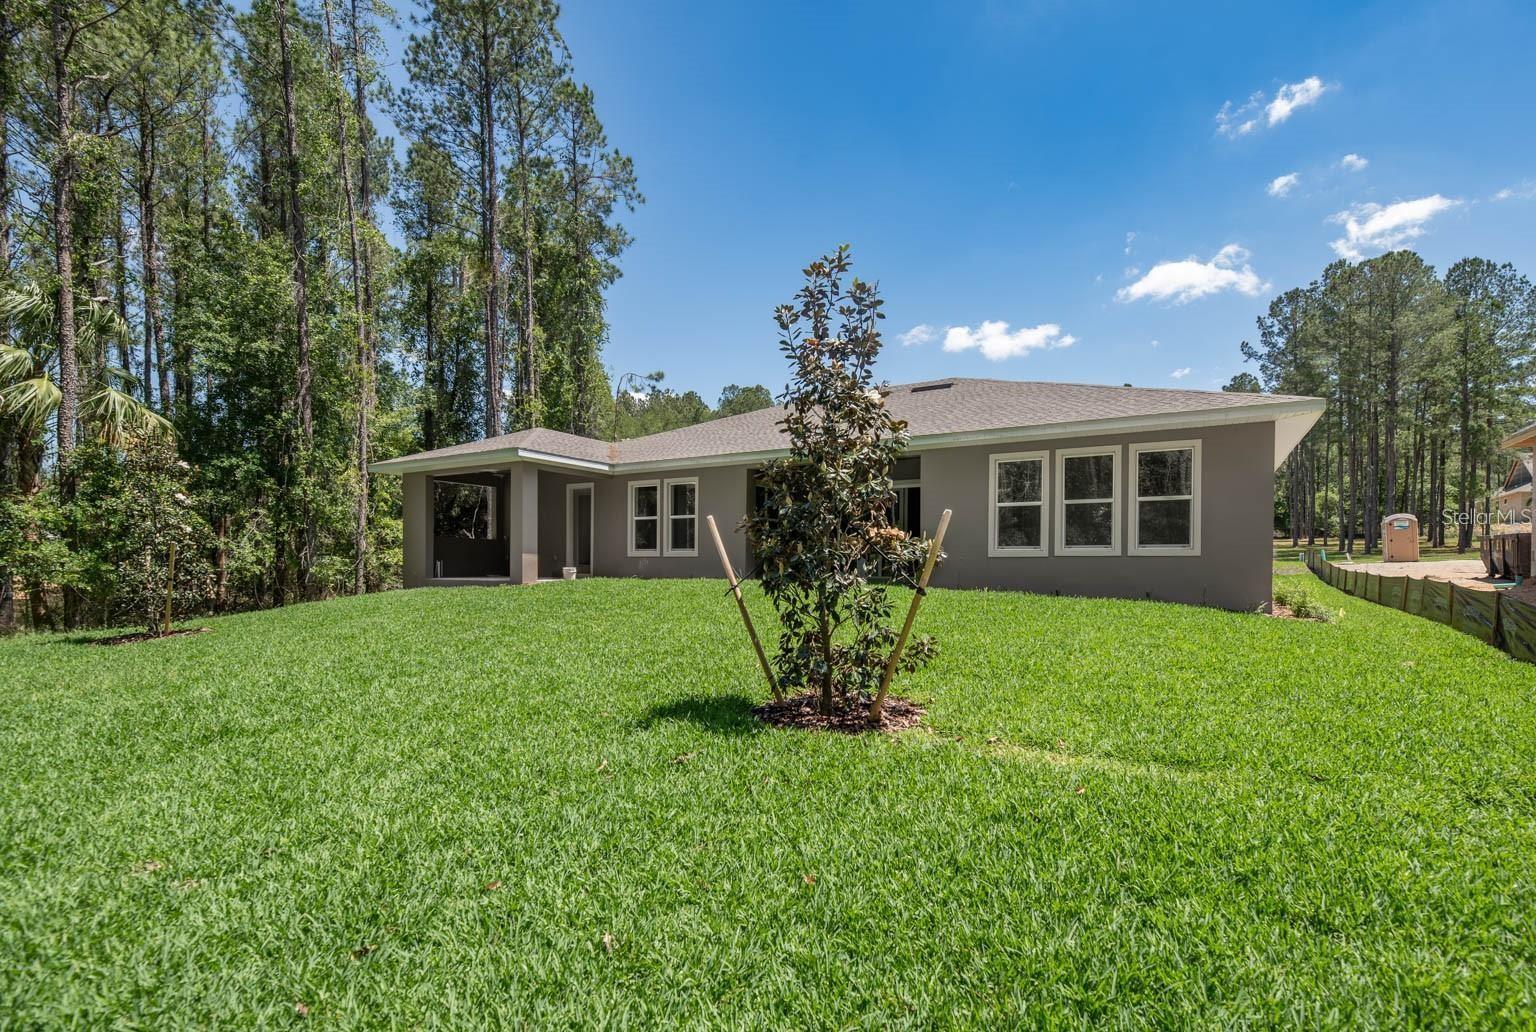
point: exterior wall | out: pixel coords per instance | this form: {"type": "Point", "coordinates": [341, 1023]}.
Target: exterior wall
{"type": "Point", "coordinates": [1232, 571]}
{"type": "Point", "coordinates": [724, 492]}
{"type": "Point", "coordinates": [552, 517]}
{"type": "Point", "coordinates": [523, 523]}
{"type": "Point", "coordinates": [416, 527]}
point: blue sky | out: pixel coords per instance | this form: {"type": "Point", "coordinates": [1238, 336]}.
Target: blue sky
{"type": "Point", "coordinates": [1033, 164]}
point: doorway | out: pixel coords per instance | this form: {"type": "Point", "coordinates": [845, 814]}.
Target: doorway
{"type": "Point", "coordinates": [579, 528]}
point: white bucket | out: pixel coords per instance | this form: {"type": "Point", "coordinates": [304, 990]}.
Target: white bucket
{"type": "Point", "coordinates": [568, 572]}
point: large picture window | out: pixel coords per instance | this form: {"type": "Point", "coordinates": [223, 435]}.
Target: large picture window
{"type": "Point", "coordinates": [644, 517]}
{"type": "Point", "coordinates": [1166, 480]}
{"type": "Point", "coordinates": [1016, 512]}
{"type": "Point", "coordinates": [682, 516]}
{"type": "Point", "coordinates": [1088, 501]}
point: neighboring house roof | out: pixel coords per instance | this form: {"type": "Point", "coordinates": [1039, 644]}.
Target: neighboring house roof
{"type": "Point", "coordinates": [1519, 475]}
{"type": "Point", "coordinates": [1525, 437]}
{"type": "Point", "coordinates": [939, 413]}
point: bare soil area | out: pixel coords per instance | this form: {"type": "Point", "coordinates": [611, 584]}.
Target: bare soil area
{"type": "Point", "coordinates": [801, 711]}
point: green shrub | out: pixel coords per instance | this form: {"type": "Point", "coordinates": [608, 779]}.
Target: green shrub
{"type": "Point", "coordinates": [1301, 602]}
{"type": "Point", "coordinates": [825, 520]}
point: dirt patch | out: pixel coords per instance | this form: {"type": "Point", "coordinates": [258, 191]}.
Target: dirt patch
{"type": "Point", "coordinates": [1469, 572]}
{"type": "Point", "coordinates": [137, 636]}
{"type": "Point", "coordinates": [800, 711]}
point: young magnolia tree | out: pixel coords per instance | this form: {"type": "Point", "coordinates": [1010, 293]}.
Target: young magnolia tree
{"type": "Point", "coordinates": [825, 522]}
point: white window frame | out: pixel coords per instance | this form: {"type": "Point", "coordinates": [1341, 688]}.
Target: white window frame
{"type": "Point", "coordinates": [996, 551]}
{"type": "Point", "coordinates": [1195, 498]}
{"type": "Point", "coordinates": [1062, 548]}
{"type": "Point", "coordinates": [666, 541]}
{"type": "Point", "coordinates": [661, 508]}
{"type": "Point", "coordinates": [897, 486]}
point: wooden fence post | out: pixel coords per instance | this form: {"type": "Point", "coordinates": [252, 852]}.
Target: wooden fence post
{"type": "Point", "coordinates": [170, 590]}
{"type": "Point", "coordinates": [906, 628]}
{"type": "Point", "coordinates": [746, 617]}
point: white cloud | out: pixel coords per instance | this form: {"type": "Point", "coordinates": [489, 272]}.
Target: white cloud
{"type": "Point", "coordinates": [1380, 228]}
{"type": "Point", "coordinates": [1234, 120]}
{"type": "Point", "coordinates": [1281, 185]}
{"type": "Point", "coordinates": [1131, 271]}
{"type": "Point", "coordinates": [1179, 374]}
{"type": "Point", "coordinates": [997, 343]}
{"type": "Point", "coordinates": [1524, 190]}
{"type": "Point", "coordinates": [1353, 163]}
{"type": "Point", "coordinates": [1294, 95]}
{"type": "Point", "coordinates": [1189, 279]}
{"type": "Point", "coordinates": [922, 333]}
{"type": "Point", "coordinates": [1155, 343]}
{"type": "Point", "coordinates": [1130, 238]}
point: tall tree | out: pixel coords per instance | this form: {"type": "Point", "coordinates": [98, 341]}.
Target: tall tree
{"type": "Point", "coordinates": [297, 240]}
{"type": "Point", "coordinates": [460, 72]}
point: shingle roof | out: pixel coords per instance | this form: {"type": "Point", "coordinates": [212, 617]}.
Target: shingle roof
{"type": "Point", "coordinates": [538, 439]}
{"type": "Point", "coordinates": [932, 407]}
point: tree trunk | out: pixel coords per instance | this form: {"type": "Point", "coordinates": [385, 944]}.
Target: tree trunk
{"type": "Point", "coordinates": [432, 373]}
{"type": "Point", "coordinates": [149, 257]}
{"type": "Point", "coordinates": [368, 354]}
{"type": "Point", "coordinates": [62, 175]}
{"type": "Point", "coordinates": [1464, 487]}
{"type": "Point", "coordinates": [490, 245]}
{"type": "Point", "coordinates": [296, 238]}
{"type": "Point", "coordinates": [527, 330]}
{"type": "Point", "coordinates": [360, 313]}
{"type": "Point", "coordinates": [8, 431]}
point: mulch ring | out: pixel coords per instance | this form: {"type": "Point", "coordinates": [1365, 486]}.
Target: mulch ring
{"type": "Point", "coordinates": [801, 712]}
{"type": "Point", "coordinates": [137, 636]}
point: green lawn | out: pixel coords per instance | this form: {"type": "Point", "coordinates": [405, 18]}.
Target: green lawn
{"type": "Point", "coordinates": [550, 806]}
{"type": "Point", "coordinates": [1284, 553]}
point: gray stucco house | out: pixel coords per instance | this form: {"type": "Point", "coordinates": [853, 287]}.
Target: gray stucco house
{"type": "Point", "coordinates": [1111, 491]}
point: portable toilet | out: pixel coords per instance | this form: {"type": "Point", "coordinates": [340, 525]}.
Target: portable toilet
{"type": "Point", "coordinates": [1400, 538]}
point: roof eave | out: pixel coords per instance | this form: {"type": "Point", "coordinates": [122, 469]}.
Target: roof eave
{"type": "Point", "coordinates": [489, 457]}
{"type": "Point", "coordinates": [1524, 437]}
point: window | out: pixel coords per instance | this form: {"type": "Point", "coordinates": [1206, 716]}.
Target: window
{"type": "Point", "coordinates": [683, 516]}
{"type": "Point", "coordinates": [1166, 479]}
{"type": "Point", "coordinates": [644, 517]}
{"type": "Point", "coordinates": [1088, 501]}
{"type": "Point", "coordinates": [907, 512]}
{"type": "Point", "coordinates": [1016, 515]}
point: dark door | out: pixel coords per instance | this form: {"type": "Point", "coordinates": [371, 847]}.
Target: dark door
{"type": "Point", "coordinates": [583, 531]}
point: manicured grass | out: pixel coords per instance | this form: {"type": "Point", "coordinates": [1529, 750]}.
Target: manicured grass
{"type": "Point", "coordinates": [550, 806]}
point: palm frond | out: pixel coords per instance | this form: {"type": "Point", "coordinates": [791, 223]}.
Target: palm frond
{"type": "Point", "coordinates": [119, 419]}
{"type": "Point", "coordinates": [117, 376]}
{"type": "Point", "coordinates": [15, 364]}
{"type": "Point", "coordinates": [30, 308]}
{"type": "Point", "coordinates": [33, 401]}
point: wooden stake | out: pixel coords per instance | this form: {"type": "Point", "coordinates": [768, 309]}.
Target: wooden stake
{"type": "Point", "coordinates": [170, 590]}
{"type": "Point", "coordinates": [906, 628]}
{"type": "Point", "coordinates": [746, 617]}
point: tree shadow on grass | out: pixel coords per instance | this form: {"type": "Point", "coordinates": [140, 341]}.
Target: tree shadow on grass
{"type": "Point", "coordinates": [722, 714]}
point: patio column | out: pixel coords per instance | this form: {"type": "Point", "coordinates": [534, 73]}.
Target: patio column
{"type": "Point", "coordinates": [416, 489]}
{"type": "Point", "coordinates": [523, 523]}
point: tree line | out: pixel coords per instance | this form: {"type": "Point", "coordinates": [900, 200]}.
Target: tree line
{"type": "Point", "coordinates": [1424, 374]}
{"type": "Point", "coordinates": [223, 293]}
